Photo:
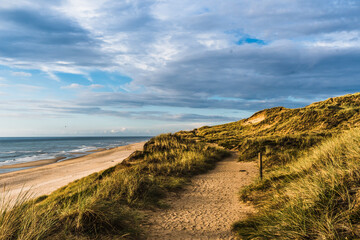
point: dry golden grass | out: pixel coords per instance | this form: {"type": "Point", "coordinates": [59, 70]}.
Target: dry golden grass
{"type": "Point", "coordinates": [309, 192]}
{"type": "Point", "coordinates": [314, 197]}
{"type": "Point", "coordinates": [105, 205]}
{"type": "Point", "coordinates": [280, 133]}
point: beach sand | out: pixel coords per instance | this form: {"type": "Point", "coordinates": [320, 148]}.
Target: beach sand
{"type": "Point", "coordinates": [45, 179]}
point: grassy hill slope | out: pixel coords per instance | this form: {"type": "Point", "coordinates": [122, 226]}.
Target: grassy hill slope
{"type": "Point", "coordinates": [280, 132]}
{"type": "Point", "coordinates": [311, 187]}
{"type": "Point", "coordinates": [314, 197]}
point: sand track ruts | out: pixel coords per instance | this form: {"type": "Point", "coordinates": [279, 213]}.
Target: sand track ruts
{"type": "Point", "coordinates": [207, 207]}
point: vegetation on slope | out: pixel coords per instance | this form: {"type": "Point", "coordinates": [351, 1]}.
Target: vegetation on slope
{"type": "Point", "coordinates": [312, 163]}
{"type": "Point", "coordinates": [104, 205]}
{"type": "Point", "coordinates": [281, 133]}
{"type": "Point", "coordinates": [314, 197]}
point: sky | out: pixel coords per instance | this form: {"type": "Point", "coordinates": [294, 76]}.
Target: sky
{"type": "Point", "coordinates": [126, 68]}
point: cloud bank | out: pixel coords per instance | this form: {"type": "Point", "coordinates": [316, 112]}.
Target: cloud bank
{"type": "Point", "coordinates": [241, 55]}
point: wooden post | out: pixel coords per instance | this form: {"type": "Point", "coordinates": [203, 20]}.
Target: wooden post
{"type": "Point", "coordinates": [260, 165]}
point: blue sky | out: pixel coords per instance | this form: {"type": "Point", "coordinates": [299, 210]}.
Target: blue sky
{"type": "Point", "coordinates": [145, 67]}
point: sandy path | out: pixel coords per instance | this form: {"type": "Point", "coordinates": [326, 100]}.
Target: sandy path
{"type": "Point", "coordinates": [208, 207]}
{"type": "Point", "coordinates": [43, 180]}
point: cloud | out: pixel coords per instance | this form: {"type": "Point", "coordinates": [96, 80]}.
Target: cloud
{"type": "Point", "coordinates": [250, 72]}
{"type": "Point", "coordinates": [151, 115]}
{"type": "Point", "coordinates": [35, 38]}
{"type": "Point", "coordinates": [72, 86]}
{"type": "Point", "coordinates": [79, 86]}
{"type": "Point", "coordinates": [244, 55]}
{"type": "Point", "coordinates": [60, 109]}
{"type": "Point", "coordinates": [96, 86]}
{"type": "Point", "coordinates": [123, 129]}
{"type": "Point", "coordinates": [21, 74]}
{"type": "Point", "coordinates": [244, 77]}
{"type": "Point", "coordinates": [22, 87]}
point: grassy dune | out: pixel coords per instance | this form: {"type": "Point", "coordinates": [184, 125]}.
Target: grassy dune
{"type": "Point", "coordinates": [105, 205]}
{"type": "Point", "coordinates": [312, 169]}
{"type": "Point", "coordinates": [314, 197]}
{"type": "Point", "coordinates": [281, 133]}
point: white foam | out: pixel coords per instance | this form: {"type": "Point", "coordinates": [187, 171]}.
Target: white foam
{"type": "Point", "coordinates": [84, 149]}
{"type": "Point", "coordinates": [9, 152]}
{"type": "Point", "coordinates": [28, 159]}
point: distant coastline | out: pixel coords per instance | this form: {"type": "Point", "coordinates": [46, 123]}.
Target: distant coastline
{"type": "Point", "coordinates": [28, 152]}
{"type": "Point", "coordinates": [48, 177]}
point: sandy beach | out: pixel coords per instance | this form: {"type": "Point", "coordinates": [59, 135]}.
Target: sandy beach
{"type": "Point", "coordinates": [50, 176]}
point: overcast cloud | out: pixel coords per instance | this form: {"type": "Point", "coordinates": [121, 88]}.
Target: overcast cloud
{"type": "Point", "coordinates": [240, 55]}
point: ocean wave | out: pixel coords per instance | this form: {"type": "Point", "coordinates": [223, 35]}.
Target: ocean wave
{"type": "Point", "coordinates": [28, 159]}
{"type": "Point", "coordinates": [83, 149]}
{"type": "Point", "coordinates": [9, 161]}
{"type": "Point", "coordinates": [9, 152]}
{"type": "Point", "coordinates": [14, 151]}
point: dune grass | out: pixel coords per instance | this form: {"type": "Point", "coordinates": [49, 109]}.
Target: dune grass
{"type": "Point", "coordinates": [106, 205]}
{"type": "Point", "coordinates": [309, 191]}
{"type": "Point", "coordinates": [282, 133]}
{"type": "Point", "coordinates": [313, 197]}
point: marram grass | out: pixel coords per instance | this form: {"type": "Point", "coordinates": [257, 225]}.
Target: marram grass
{"type": "Point", "coordinates": [314, 197]}
{"type": "Point", "coordinates": [282, 133]}
{"type": "Point", "coordinates": [106, 205]}
{"type": "Point", "coordinates": [309, 192]}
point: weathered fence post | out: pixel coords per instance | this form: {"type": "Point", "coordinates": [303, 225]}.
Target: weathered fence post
{"type": "Point", "coordinates": [260, 165]}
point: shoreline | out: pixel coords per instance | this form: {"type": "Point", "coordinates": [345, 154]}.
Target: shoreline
{"type": "Point", "coordinates": [36, 163]}
{"type": "Point", "coordinates": [42, 162]}
{"type": "Point", "coordinates": [46, 178]}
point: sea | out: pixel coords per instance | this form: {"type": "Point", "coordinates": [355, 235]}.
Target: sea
{"type": "Point", "coordinates": [15, 150]}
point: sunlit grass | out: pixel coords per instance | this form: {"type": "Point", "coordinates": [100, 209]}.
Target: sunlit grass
{"type": "Point", "coordinates": [314, 197]}
{"type": "Point", "coordinates": [106, 205]}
